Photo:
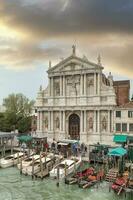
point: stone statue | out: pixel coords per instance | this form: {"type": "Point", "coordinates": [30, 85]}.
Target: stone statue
{"type": "Point", "coordinates": [104, 125]}
{"type": "Point", "coordinates": [46, 122]}
{"type": "Point", "coordinates": [110, 78]}
{"type": "Point", "coordinates": [57, 122]}
{"type": "Point", "coordinates": [57, 88]}
{"type": "Point", "coordinates": [74, 49]}
{"type": "Point", "coordinates": [90, 120]}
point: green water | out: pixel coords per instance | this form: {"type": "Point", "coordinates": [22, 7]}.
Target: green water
{"type": "Point", "coordinates": [14, 186]}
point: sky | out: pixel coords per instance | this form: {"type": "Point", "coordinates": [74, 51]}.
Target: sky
{"type": "Point", "coordinates": [32, 32]}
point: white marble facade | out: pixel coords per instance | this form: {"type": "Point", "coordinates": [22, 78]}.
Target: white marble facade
{"type": "Point", "coordinates": [78, 102]}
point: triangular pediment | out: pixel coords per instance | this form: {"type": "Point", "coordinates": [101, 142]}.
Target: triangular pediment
{"type": "Point", "coordinates": [73, 63]}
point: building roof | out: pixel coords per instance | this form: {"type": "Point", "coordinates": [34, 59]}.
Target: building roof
{"type": "Point", "coordinates": [127, 105]}
{"type": "Point", "coordinates": [122, 82]}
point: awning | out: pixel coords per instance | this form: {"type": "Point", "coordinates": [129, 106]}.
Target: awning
{"type": "Point", "coordinates": [130, 138]}
{"type": "Point", "coordinates": [62, 144]}
{"type": "Point", "coordinates": [69, 141]}
{"type": "Point", "coordinates": [25, 138]}
{"type": "Point", "coordinates": [120, 138]}
{"type": "Point", "coordinates": [119, 151]}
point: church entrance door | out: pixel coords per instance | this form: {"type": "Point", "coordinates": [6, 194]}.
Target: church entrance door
{"type": "Point", "coordinates": [74, 127]}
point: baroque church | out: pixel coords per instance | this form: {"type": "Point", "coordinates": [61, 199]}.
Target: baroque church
{"type": "Point", "coordinates": [78, 103]}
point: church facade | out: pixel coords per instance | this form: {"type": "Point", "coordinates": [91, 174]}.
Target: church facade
{"type": "Point", "coordinates": [78, 103]}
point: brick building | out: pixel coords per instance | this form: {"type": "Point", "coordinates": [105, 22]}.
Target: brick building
{"type": "Point", "coordinates": [122, 90]}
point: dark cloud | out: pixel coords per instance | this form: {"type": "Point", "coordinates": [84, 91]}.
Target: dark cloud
{"type": "Point", "coordinates": [47, 18]}
{"type": "Point", "coordinates": [97, 25]}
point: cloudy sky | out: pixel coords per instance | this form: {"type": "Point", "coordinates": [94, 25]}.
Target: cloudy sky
{"type": "Point", "coordinates": [32, 32]}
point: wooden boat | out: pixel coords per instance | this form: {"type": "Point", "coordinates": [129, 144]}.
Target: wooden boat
{"type": "Point", "coordinates": [119, 185]}
{"type": "Point", "coordinates": [65, 167]}
{"type": "Point", "coordinates": [27, 161]}
{"type": "Point", "coordinates": [87, 183]}
{"type": "Point", "coordinates": [45, 161]}
{"type": "Point", "coordinates": [44, 171]}
{"type": "Point", "coordinates": [10, 160]}
{"type": "Point", "coordinates": [75, 178]}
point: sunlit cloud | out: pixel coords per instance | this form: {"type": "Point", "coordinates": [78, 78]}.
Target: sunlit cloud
{"type": "Point", "coordinates": [35, 31]}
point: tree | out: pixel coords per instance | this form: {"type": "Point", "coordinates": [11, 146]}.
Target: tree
{"type": "Point", "coordinates": [18, 111]}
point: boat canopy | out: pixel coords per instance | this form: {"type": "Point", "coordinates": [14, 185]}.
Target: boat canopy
{"type": "Point", "coordinates": [120, 138]}
{"type": "Point", "coordinates": [119, 151]}
{"type": "Point", "coordinates": [69, 141]}
{"type": "Point", "coordinates": [25, 138]}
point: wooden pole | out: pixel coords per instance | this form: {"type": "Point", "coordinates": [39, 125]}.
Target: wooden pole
{"type": "Point", "coordinates": [17, 158]}
{"type": "Point", "coordinates": [11, 145]}
{"type": "Point", "coordinates": [58, 176]}
{"type": "Point", "coordinates": [33, 162]}
{"type": "Point", "coordinates": [45, 161]}
{"type": "Point", "coordinates": [13, 160]}
{"type": "Point", "coordinates": [41, 166]}
{"type": "Point", "coordinates": [21, 167]}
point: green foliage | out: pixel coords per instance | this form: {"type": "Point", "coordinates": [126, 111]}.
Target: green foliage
{"type": "Point", "coordinates": [17, 114]}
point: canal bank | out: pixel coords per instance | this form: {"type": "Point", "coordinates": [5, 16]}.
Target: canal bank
{"type": "Point", "coordinates": [14, 186]}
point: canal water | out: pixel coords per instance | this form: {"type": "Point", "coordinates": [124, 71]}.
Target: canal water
{"type": "Point", "coordinates": [14, 186]}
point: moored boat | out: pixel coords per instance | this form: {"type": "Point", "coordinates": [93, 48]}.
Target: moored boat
{"type": "Point", "coordinates": [64, 168]}
{"type": "Point", "coordinates": [10, 160]}
{"type": "Point", "coordinates": [27, 161]}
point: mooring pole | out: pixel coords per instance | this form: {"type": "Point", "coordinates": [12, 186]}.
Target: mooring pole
{"type": "Point", "coordinates": [41, 166]}
{"type": "Point", "coordinates": [33, 162]}
{"type": "Point", "coordinates": [58, 176]}
{"type": "Point", "coordinates": [21, 165]}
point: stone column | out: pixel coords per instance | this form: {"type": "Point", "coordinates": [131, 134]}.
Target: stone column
{"type": "Point", "coordinates": [108, 121]}
{"type": "Point", "coordinates": [49, 86]}
{"type": "Point", "coordinates": [49, 121]}
{"type": "Point", "coordinates": [85, 121]}
{"type": "Point", "coordinates": [63, 121]}
{"type": "Point", "coordinates": [98, 121]}
{"type": "Point", "coordinates": [52, 85]}
{"type": "Point", "coordinates": [52, 121]}
{"type": "Point", "coordinates": [112, 123]}
{"type": "Point", "coordinates": [38, 121]}
{"type": "Point", "coordinates": [64, 87]}
{"type": "Point", "coordinates": [84, 84]}
{"type": "Point", "coordinates": [41, 121]}
{"type": "Point", "coordinates": [95, 84]}
{"type": "Point", "coordinates": [60, 120]}
{"type": "Point", "coordinates": [81, 122]}
{"type": "Point", "coordinates": [60, 85]}
{"type": "Point", "coordinates": [99, 83]}
{"type": "Point", "coordinates": [94, 122]}
{"type": "Point", "coordinates": [81, 85]}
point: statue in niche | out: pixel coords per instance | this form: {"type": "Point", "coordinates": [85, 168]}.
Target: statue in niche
{"type": "Point", "coordinates": [57, 89]}
{"type": "Point", "coordinates": [90, 121]}
{"type": "Point", "coordinates": [73, 81]}
{"type": "Point", "coordinates": [46, 122]}
{"type": "Point", "coordinates": [57, 122]}
{"type": "Point", "coordinates": [90, 82]}
{"type": "Point", "coordinates": [104, 124]}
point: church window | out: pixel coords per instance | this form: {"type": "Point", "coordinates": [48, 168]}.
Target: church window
{"type": "Point", "coordinates": [124, 127]}
{"type": "Point", "coordinates": [130, 114]}
{"type": "Point", "coordinates": [118, 127]}
{"type": "Point", "coordinates": [130, 127]}
{"type": "Point", "coordinates": [118, 114]}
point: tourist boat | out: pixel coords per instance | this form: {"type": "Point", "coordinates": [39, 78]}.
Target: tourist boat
{"type": "Point", "coordinates": [10, 160]}
{"type": "Point", "coordinates": [35, 166]}
{"type": "Point", "coordinates": [27, 161]}
{"type": "Point", "coordinates": [64, 168]}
